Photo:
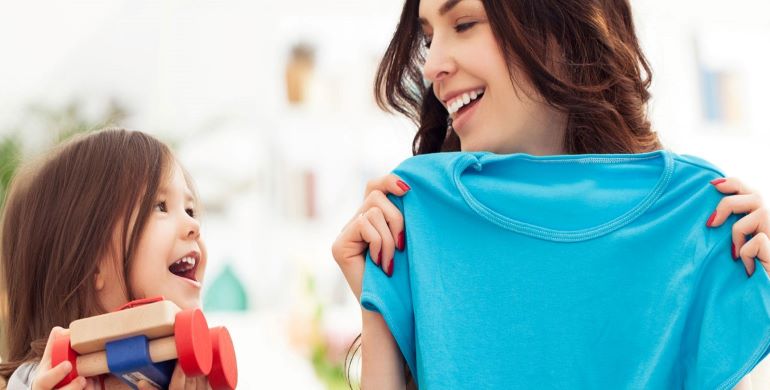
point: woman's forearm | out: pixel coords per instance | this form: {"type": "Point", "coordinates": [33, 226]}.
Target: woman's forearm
{"type": "Point", "coordinates": [382, 366]}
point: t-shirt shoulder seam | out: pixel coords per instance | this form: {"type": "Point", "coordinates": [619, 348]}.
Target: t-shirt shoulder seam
{"type": "Point", "coordinates": [684, 160]}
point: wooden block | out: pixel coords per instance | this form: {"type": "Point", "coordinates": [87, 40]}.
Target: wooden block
{"type": "Point", "coordinates": [153, 320]}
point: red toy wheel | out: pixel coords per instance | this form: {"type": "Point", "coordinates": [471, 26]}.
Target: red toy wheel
{"type": "Point", "coordinates": [62, 352]}
{"type": "Point", "coordinates": [224, 369]}
{"type": "Point", "coordinates": [193, 343]}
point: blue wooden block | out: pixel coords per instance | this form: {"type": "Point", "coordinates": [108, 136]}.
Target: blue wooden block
{"type": "Point", "coordinates": [129, 360]}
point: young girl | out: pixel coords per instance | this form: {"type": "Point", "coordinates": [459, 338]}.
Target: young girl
{"type": "Point", "coordinates": [102, 220]}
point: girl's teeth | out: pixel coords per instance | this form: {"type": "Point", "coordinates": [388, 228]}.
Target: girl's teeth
{"type": "Point", "coordinates": [466, 98]}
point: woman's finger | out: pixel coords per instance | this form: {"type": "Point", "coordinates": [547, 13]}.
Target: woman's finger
{"type": "Point", "coordinates": [387, 248]}
{"type": "Point", "coordinates": [734, 204]}
{"type": "Point", "coordinates": [731, 185]}
{"type": "Point", "coordinates": [757, 248]}
{"type": "Point", "coordinates": [393, 216]}
{"type": "Point", "coordinates": [389, 184]}
{"type": "Point", "coordinates": [756, 222]}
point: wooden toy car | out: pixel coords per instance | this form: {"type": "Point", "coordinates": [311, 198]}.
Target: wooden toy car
{"type": "Point", "coordinates": [143, 340]}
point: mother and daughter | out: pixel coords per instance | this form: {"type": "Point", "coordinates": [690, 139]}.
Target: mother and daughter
{"type": "Point", "coordinates": [555, 244]}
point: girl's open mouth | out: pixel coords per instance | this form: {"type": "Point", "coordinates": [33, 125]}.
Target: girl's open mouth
{"type": "Point", "coordinates": [185, 267]}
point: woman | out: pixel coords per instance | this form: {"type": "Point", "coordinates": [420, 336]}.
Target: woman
{"type": "Point", "coordinates": [531, 76]}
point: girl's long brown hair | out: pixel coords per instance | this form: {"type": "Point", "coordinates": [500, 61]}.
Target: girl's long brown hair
{"type": "Point", "coordinates": [58, 222]}
{"type": "Point", "coordinates": [600, 77]}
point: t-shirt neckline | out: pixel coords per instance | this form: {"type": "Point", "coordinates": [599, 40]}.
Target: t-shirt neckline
{"type": "Point", "coordinates": [478, 159]}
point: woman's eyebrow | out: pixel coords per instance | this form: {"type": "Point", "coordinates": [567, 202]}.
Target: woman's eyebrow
{"type": "Point", "coordinates": [446, 7]}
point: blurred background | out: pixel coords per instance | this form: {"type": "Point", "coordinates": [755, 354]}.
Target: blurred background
{"type": "Point", "coordinates": [270, 107]}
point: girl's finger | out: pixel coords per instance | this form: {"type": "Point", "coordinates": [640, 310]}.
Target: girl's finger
{"type": "Point", "coordinates": [757, 248]}
{"type": "Point", "coordinates": [78, 383]}
{"type": "Point", "coordinates": [393, 216]}
{"type": "Point", "coordinates": [389, 184]}
{"type": "Point", "coordinates": [144, 385]}
{"type": "Point", "coordinates": [387, 249]}
{"type": "Point", "coordinates": [731, 185]}
{"type": "Point", "coordinates": [45, 361]}
{"type": "Point", "coordinates": [177, 379]}
{"type": "Point", "coordinates": [734, 204]}
{"type": "Point", "coordinates": [47, 379]}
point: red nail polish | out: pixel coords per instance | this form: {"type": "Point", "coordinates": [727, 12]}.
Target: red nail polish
{"type": "Point", "coordinates": [379, 256]}
{"type": "Point", "coordinates": [711, 219]}
{"type": "Point", "coordinates": [401, 241]}
{"type": "Point", "coordinates": [403, 185]}
{"type": "Point", "coordinates": [390, 268]}
{"type": "Point", "coordinates": [732, 251]}
{"type": "Point", "coordinates": [718, 181]}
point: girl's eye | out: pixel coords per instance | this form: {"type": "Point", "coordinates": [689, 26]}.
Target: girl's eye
{"type": "Point", "coordinates": [464, 26]}
{"type": "Point", "coordinates": [161, 206]}
{"type": "Point", "coordinates": [426, 42]}
{"type": "Point", "coordinates": [190, 212]}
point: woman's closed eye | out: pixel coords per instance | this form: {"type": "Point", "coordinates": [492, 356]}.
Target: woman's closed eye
{"type": "Point", "coordinates": [459, 28]}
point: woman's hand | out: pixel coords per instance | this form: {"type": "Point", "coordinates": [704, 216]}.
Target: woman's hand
{"type": "Point", "coordinates": [378, 225]}
{"type": "Point", "coordinates": [46, 377]}
{"type": "Point", "coordinates": [742, 200]}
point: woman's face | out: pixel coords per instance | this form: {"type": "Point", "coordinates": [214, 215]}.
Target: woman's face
{"type": "Point", "coordinates": [471, 78]}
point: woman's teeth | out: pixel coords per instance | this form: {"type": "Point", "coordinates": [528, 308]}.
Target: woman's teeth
{"type": "Point", "coordinates": [463, 100]}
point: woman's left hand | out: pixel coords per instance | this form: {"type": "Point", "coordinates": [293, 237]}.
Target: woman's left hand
{"type": "Point", "coordinates": [742, 200]}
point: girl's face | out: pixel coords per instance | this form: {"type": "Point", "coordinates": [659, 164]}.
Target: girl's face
{"type": "Point", "coordinates": [170, 258]}
{"type": "Point", "coordinates": [472, 79]}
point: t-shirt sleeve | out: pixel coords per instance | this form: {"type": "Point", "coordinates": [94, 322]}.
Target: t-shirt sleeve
{"type": "Point", "coordinates": [728, 329]}
{"type": "Point", "coordinates": [392, 298]}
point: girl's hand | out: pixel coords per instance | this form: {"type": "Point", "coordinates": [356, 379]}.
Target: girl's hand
{"type": "Point", "coordinates": [757, 223]}
{"type": "Point", "coordinates": [46, 377]}
{"type": "Point", "coordinates": [179, 381]}
{"type": "Point", "coordinates": [378, 225]}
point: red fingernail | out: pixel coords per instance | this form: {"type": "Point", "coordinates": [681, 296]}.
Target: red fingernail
{"type": "Point", "coordinates": [718, 181]}
{"type": "Point", "coordinates": [711, 219]}
{"type": "Point", "coordinates": [403, 185]}
{"type": "Point", "coordinates": [401, 241]}
{"type": "Point", "coordinates": [379, 256]}
{"type": "Point", "coordinates": [390, 268]}
{"type": "Point", "coordinates": [732, 251]}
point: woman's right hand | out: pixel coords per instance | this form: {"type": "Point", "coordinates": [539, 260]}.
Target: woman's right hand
{"type": "Point", "coordinates": [378, 225]}
{"type": "Point", "coordinates": [46, 377]}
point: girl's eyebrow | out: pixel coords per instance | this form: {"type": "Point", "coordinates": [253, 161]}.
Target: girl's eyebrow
{"type": "Point", "coordinates": [446, 7]}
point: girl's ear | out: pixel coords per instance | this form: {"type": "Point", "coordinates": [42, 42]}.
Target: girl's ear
{"type": "Point", "coordinates": [99, 277]}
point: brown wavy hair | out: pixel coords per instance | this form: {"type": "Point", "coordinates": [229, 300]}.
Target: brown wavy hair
{"type": "Point", "coordinates": [59, 220]}
{"type": "Point", "coordinates": [601, 77]}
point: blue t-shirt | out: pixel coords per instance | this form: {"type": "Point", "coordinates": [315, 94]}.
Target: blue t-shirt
{"type": "Point", "coordinates": [569, 271]}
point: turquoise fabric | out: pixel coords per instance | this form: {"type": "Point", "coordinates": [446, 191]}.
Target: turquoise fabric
{"type": "Point", "coordinates": [565, 272]}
